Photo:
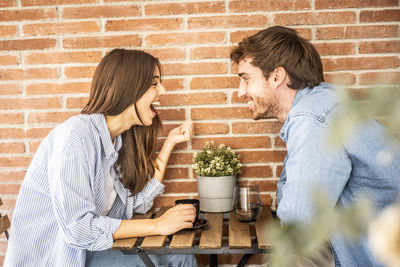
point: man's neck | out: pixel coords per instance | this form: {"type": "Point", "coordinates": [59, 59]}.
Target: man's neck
{"type": "Point", "coordinates": [286, 98]}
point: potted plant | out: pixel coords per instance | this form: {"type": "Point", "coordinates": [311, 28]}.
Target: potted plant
{"type": "Point", "coordinates": [216, 168]}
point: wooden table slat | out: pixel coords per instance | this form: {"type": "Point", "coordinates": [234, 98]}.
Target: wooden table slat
{"type": "Point", "coordinates": [262, 227]}
{"type": "Point", "coordinates": [129, 243]}
{"type": "Point", "coordinates": [239, 233]}
{"type": "Point", "coordinates": [211, 237]}
{"type": "Point", "coordinates": [183, 239]}
{"type": "Point", "coordinates": [157, 241]}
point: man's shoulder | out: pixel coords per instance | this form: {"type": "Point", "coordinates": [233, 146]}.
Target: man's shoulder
{"type": "Point", "coordinates": [318, 102]}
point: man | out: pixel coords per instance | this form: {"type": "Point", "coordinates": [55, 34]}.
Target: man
{"type": "Point", "coordinates": [281, 76]}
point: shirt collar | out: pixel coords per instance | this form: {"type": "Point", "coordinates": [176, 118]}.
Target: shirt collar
{"type": "Point", "coordinates": [299, 95]}
{"type": "Point", "coordinates": [101, 125]}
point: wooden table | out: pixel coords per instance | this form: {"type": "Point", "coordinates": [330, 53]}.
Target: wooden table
{"type": "Point", "coordinates": [209, 240]}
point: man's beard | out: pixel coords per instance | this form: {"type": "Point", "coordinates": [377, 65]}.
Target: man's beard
{"type": "Point", "coordinates": [265, 107]}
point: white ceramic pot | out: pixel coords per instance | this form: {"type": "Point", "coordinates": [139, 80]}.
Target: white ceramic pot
{"type": "Point", "coordinates": [216, 193]}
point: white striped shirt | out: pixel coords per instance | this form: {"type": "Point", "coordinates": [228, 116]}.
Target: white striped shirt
{"type": "Point", "coordinates": [57, 216]}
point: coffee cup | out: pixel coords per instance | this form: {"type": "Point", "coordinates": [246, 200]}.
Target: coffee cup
{"type": "Point", "coordinates": [194, 202]}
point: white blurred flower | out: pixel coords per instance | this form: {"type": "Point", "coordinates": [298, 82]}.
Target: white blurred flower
{"type": "Point", "coordinates": [384, 236]}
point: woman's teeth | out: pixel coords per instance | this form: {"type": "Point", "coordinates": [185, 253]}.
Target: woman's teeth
{"type": "Point", "coordinates": [156, 103]}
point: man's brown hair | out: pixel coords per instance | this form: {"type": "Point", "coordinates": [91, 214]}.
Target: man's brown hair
{"type": "Point", "coordinates": [281, 47]}
{"type": "Point", "coordinates": [120, 79]}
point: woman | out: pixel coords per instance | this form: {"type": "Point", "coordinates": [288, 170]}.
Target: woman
{"type": "Point", "coordinates": [94, 170]}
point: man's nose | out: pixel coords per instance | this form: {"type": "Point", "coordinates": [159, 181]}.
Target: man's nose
{"type": "Point", "coordinates": [242, 89]}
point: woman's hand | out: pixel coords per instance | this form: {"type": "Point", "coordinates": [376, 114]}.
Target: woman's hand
{"type": "Point", "coordinates": [181, 134]}
{"type": "Point", "coordinates": [175, 219]}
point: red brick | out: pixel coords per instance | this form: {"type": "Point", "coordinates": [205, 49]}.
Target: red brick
{"type": "Point", "coordinates": [11, 176]}
{"type": "Point", "coordinates": [380, 15]}
{"type": "Point", "coordinates": [195, 68]}
{"type": "Point", "coordinates": [79, 72]}
{"type": "Point", "coordinates": [167, 53]}
{"type": "Point", "coordinates": [342, 78]}
{"type": "Point", "coordinates": [387, 46]}
{"type": "Point", "coordinates": [173, 84]}
{"type": "Point", "coordinates": [33, 146]}
{"type": "Point", "coordinates": [238, 36]}
{"type": "Point", "coordinates": [360, 63]}
{"type": "Point", "coordinates": [93, 11]}
{"type": "Point", "coordinates": [11, 133]}
{"type": "Point", "coordinates": [180, 146]}
{"type": "Point", "coordinates": [10, 89]}
{"type": "Point", "coordinates": [235, 142]}
{"type": "Point", "coordinates": [236, 99]}
{"type": "Point", "coordinates": [392, 77]}
{"type": "Point", "coordinates": [329, 4]}
{"type": "Point", "coordinates": [64, 88]}
{"type": "Point", "coordinates": [37, 132]}
{"type": "Point", "coordinates": [342, 48]}
{"type": "Point", "coordinates": [8, 3]}
{"type": "Point", "coordinates": [312, 18]}
{"type": "Point", "coordinates": [180, 158]}
{"type": "Point", "coordinates": [262, 156]}
{"type": "Point", "coordinates": [13, 162]}
{"type": "Point", "coordinates": [33, 73]}
{"type": "Point", "coordinates": [28, 14]}
{"type": "Point", "coordinates": [46, 117]}
{"type": "Point", "coordinates": [279, 143]}
{"type": "Point", "coordinates": [185, 38]}
{"type": "Point", "coordinates": [210, 128]}
{"type": "Point", "coordinates": [27, 44]}
{"type": "Point", "coordinates": [193, 99]}
{"type": "Point", "coordinates": [256, 127]}
{"type": "Point", "coordinates": [9, 60]}
{"type": "Point", "coordinates": [12, 148]}
{"type": "Point", "coordinates": [214, 82]}
{"type": "Point", "coordinates": [148, 24]}
{"type": "Point", "coordinates": [172, 114]}
{"type": "Point", "coordinates": [30, 103]}
{"type": "Point", "coordinates": [256, 172]}
{"type": "Point", "coordinates": [238, 6]}
{"type": "Point", "coordinates": [210, 52]}
{"type": "Point", "coordinates": [220, 113]}
{"type": "Point", "coordinates": [176, 173]}
{"type": "Point", "coordinates": [279, 170]}
{"type": "Point", "coordinates": [166, 201]}
{"type": "Point", "coordinates": [265, 185]}
{"type": "Point", "coordinates": [54, 2]}
{"type": "Point", "coordinates": [8, 31]}
{"type": "Point", "coordinates": [230, 21]}
{"type": "Point", "coordinates": [61, 28]}
{"type": "Point", "coordinates": [63, 57]}
{"type": "Point", "coordinates": [76, 102]}
{"type": "Point", "coordinates": [180, 187]}
{"type": "Point", "coordinates": [357, 32]}
{"type": "Point", "coordinates": [184, 8]}
{"type": "Point", "coordinates": [11, 118]}
{"type": "Point", "coordinates": [102, 41]}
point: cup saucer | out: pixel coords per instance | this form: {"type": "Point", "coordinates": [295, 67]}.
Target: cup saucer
{"type": "Point", "coordinates": [198, 225]}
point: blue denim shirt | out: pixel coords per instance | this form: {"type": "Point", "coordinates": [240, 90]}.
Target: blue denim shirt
{"type": "Point", "coordinates": [341, 173]}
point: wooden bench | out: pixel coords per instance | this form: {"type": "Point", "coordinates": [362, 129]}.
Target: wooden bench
{"type": "Point", "coordinates": [209, 240]}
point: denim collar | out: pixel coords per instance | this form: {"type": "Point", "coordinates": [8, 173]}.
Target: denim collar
{"type": "Point", "coordinates": [299, 95]}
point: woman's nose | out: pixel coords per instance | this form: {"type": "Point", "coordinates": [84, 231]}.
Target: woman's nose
{"type": "Point", "coordinates": [161, 89]}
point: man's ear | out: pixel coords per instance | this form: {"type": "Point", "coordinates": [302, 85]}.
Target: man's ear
{"type": "Point", "coordinates": [278, 77]}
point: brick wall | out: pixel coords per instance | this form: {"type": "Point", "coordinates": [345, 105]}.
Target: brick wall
{"type": "Point", "coordinates": [50, 48]}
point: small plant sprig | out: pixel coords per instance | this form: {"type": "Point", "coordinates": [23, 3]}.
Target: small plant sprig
{"type": "Point", "coordinates": [215, 161]}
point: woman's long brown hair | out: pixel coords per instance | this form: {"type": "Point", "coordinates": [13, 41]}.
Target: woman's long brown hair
{"type": "Point", "coordinates": [120, 79]}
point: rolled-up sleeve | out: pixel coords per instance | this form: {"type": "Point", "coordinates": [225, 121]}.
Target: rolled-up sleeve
{"type": "Point", "coordinates": [74, 203]}
{"type": "Point", "coordinates": [144, 199]}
